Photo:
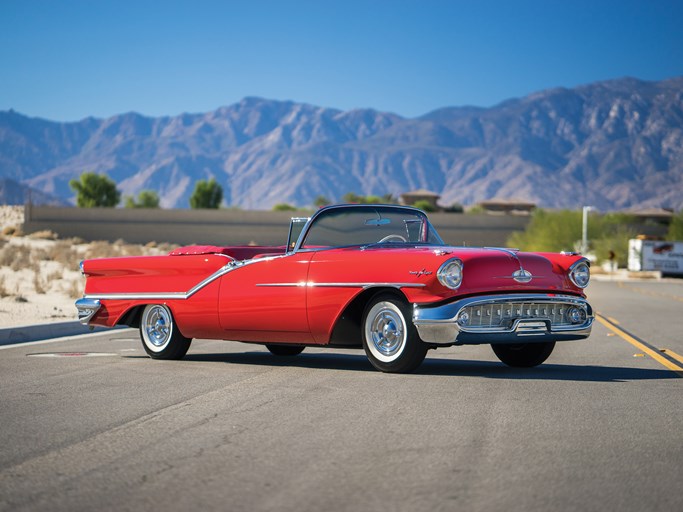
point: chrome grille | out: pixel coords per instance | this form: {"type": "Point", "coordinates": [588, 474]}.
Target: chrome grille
{"type": "Point", "coordinates": [501, 315]}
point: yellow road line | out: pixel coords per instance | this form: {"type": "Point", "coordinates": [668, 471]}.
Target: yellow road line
{"type": "Point", "coordinates": [652, 353]}
{"type": "Point", "coordinates": [673, 354]}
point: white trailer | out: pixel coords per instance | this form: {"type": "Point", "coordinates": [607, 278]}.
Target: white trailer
{"type": "Point", "coordinates": [667, 257]}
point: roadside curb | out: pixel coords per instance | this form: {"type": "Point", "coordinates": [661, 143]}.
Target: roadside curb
{"type": "Point", "coordinates": [29, 333]}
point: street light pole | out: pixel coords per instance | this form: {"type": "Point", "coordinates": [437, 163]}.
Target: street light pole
{"type": "Point", "coordinates": [584, 231]}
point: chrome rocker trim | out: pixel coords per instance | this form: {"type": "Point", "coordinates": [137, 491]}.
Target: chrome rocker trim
{"type": "Point", "coordinates": [438, 324]}
{"type": "Point", "coordinates": [87, 309]}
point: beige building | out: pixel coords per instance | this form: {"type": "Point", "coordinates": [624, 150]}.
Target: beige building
{"type": "Point", "coordinates": [507, 206]}
{"type": "Point", "coordinates": [410, 198]}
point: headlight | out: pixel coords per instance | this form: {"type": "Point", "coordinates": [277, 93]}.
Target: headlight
{"type": "Point", "coordinates": [580, 273]}
{"type": "Point", "coordinates": [450, 273]}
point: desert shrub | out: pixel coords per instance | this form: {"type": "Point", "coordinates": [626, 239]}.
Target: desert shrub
{"type": "Point", "coordinates": [12, 231]}
{"type": "Point", "coordinates": [44, 234]}
{"type": "Point", "coordinates": [15, 257]}
{"type": "Point", "coordinates": [132, 250]}
{"type": "Point", "coordinates": [4, 292]}
{"type": "Point", "coordinates": [98, 249]}
{"type": "Point", "coordinates": [74, 288]}
{"type": "Point", "coordinates": [64, 253]}
{"type": "Point", "coordinates": [56, 275]}
{"type": "Point", "coordinates": [38, 284]}
{"type": "Point", "coordinates": [40, 254]}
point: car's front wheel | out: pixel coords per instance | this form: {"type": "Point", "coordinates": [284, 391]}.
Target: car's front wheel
{"type": "Point", "coordinates": [285, 350]}
{"type": "Point", "coordinates": [160, 335]}
{"type": "Point", "coordinates": [390, 339]}
{"type": "Point", "coordinates": [524, 355]}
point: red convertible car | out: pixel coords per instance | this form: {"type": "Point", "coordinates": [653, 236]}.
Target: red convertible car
{"type": "Point", "coordinates": [372, 276]}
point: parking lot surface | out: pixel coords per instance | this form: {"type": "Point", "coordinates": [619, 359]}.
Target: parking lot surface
{"type": "Point", "coordinates": [91, 423]}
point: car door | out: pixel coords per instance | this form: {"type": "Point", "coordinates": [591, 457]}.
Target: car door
{"type": "Point", "coordinates": [265, 300]}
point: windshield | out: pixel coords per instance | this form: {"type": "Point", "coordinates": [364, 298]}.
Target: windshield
{"type": "Point", "coordinates": [364, 225]}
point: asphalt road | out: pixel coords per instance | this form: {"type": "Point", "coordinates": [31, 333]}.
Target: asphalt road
{"type": "Point", "coordinates": [597, 427]}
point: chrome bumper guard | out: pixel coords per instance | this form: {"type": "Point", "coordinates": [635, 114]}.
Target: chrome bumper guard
{"type": "Point", "coordinates": [87, 309]}
{"type": "Point", "coordinates": [505, 319]}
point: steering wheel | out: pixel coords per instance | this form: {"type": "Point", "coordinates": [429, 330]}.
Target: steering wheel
{"type": "Point", "coordinates": [388, 238]}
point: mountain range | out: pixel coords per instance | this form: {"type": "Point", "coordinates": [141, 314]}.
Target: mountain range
{"type": "Point", "coordinates": [614, 145]}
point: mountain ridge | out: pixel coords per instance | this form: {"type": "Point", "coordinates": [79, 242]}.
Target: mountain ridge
{"type": "Point", "coordinates": [615, 144]}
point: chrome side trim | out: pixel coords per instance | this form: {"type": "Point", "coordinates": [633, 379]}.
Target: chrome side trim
{"type": "Point", "coordinates": [311, 284]}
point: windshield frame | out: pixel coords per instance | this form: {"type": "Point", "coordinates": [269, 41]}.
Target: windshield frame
{"type": "Point", "coordinates": [429, 231]}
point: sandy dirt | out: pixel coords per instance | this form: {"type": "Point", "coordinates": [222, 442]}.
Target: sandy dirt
{"type": "Point", "coordinates": [39, 274]}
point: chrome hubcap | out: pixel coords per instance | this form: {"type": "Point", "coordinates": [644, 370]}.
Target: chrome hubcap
{"type": "Point", "coordinates": [157, 325]}
{"type": "Point", "coordinates": [387, 332]}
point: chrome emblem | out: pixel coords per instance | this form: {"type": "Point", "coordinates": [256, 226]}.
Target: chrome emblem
{"type": "Point", "coordinates": [420, 273]}
{"type": "Point", "coordinates": [522, 276]}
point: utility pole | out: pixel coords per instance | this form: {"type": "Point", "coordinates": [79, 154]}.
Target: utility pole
{"type": "Point", "coordinates": [584, 230]}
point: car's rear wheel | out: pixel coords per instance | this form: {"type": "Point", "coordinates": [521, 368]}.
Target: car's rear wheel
{"type": "Point", "coordinates": [524, 355]}
{"type": "Point", "coordinates": [285, 350]}
{"type": "Point", "coordinates": [160, 335]}
{"type": "Point", "coordinates": [390, 339]}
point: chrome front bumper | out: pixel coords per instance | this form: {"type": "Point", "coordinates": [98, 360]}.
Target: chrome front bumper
{"type": "Point", "coordinates": [87, 309]}
{"type": "Point", "coordinates": [505, 319]}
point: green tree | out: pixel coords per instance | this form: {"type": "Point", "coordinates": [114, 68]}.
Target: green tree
{"type": "Point", "coordinates": [455, 208]}
{"type": "Point", "coordinates": [676, 228]}
{"type": "Point", "coordinates": [284, 207]}
{"type": "Point", "coordinates": [561, 231]}
{"type": "Point", "coordinates": [207, 194]}
{"type": "Point", "coordinates": [146, 199]}
{"type": "Point", "coordinates": [424, 205]}
{"type": "Point", "coordinates": [321, 201]}
{"type": "Point", "coordinates": [372, 200]}
{"type": "Point", "coordinates": [95, 190]}
{"type": "Point", "coordinates": [552, 231]}
{"type": "Point", "coordinates": [352, 198]}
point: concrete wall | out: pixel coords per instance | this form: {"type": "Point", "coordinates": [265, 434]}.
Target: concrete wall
{"type": "Point", "coordinates": [233, 227]}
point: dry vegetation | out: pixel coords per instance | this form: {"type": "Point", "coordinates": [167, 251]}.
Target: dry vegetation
{"type": "Point", "coordinates": [39, 273]}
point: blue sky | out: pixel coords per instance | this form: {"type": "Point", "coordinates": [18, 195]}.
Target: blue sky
{"type": "Point", "coordinates": [65, 60]}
